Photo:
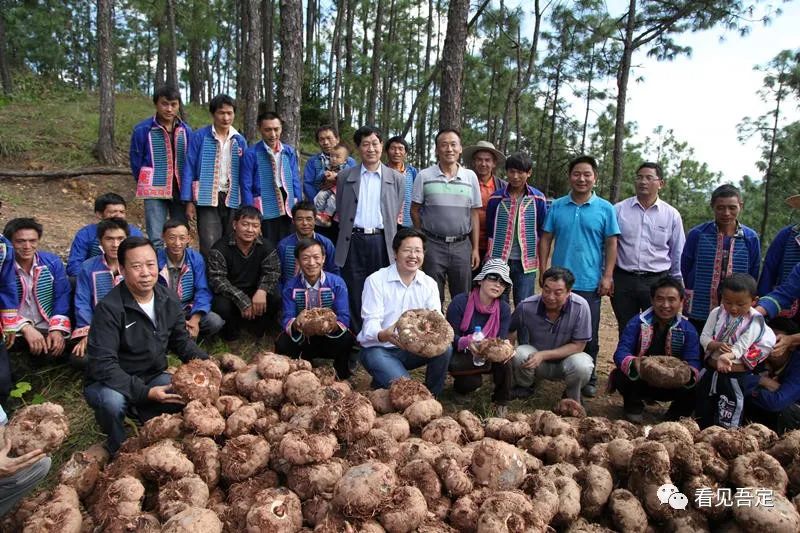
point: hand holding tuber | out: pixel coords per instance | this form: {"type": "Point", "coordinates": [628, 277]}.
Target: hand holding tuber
{"type": "Point", "coordinates": [161, 394]}
{"type": "Point", "coordinates": [12, 465]}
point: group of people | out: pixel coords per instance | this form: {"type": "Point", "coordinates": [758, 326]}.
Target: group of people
{"type": "Point", "coordinates": [372, 240]}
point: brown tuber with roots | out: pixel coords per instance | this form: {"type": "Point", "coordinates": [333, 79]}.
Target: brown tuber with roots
{"type": "Point", "coordinates": [758, 469]}
{"type": "Point", "coordinates": [199, 379]}
{"type": "Point", "coordinates": [498, 465]}
{"type": "Point", "coordinates": [42, 426]}
{"type": "Point", "coordinates": [276, 510]}
{"type": "Point", "coordinates": [424, 332]}
{"type": "Point", "coordinates": [301, 386]}
{"type": "Point", "coordinates": [364, 489]}
{"type": "Point", "coordinates": [405, 510]}
{"type": "Point", "coordinates": [180, 494]}
{"type": "Point", "coordinates": [243, 457]}
{"type": "Point", "coordinates": [193, 520]}
{"type": "Point", "coordinates": [203, 419]}
{"type": "Point", "coordinates": [404, 391]}
{"type": "Point", "coordinates": [664, 371]}
{"type": "Point", "coordinates": [316, 321]}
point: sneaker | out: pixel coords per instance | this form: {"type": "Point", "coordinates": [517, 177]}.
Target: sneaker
{"type": "Point", "coordinates": [518, 393]}
{"type": "Point", "coordinates": [590, 391]}
{"type": "Point", "coordinates": [634, 417]}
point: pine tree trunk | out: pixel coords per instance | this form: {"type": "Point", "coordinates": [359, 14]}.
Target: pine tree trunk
{"type": "Point", "coordinates": [388, 75]}
{"type": "Point", "coordinates": [172, 45]}
{"type": "Point", "coordinates": [311, 14]}
{"type": "Point", "coordinates": [104, 150]}
{"type": "Point", "coordinates": [291, 69]}
{"type": "Point", "coordinates": [161, 60]}
{"type": "Point", "coordinates": [335, 63]}
{"type": "Point", "coordinates": [5, 68]}
{"type": "Point", "coordinates": [348, 62]}
{"type": "Point", "coordinates": [196, 70]}
{"type": "Point", "coordinates": [622, 93]}
{"type": "Point", "coordinates": [452, 89]}
{"type": "Point", "coordinates": [372, 97]}
{"type": "Point", "coordinates": [268, 12]}
{"type": "Point", "coordinates": [251, 66]}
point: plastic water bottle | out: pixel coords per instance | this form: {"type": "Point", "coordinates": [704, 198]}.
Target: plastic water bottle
{"type": "Point", "coordinates": [478, 336]}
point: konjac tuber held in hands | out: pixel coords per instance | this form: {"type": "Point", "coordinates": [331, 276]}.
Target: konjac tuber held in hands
{"type": "Point", "coordinates": [37, 427]}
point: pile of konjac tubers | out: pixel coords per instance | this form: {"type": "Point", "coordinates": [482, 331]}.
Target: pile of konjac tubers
{"type": "Point", "coordinates": [274, 446]}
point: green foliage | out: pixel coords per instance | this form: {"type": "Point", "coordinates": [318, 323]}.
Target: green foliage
{"type": "Point", "coordinates": [19, 390]}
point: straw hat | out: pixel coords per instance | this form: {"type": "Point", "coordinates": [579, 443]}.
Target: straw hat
{"type": "Point", "coordinates": [483, 146]}
{"type": "Point", "coordinates": [793, 201]}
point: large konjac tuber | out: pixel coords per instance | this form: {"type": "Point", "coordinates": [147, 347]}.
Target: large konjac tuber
{"type": "Point", "coordinates": [276, 510]}
{"type": "Point", "coordinates": [424, 332]}
{"type": "Point", "coordinates": [37, 427]}
{"type": "Point", "coordinates": [364, 489]}
{"type": "Point", "coordinates": [664, 371]}
{"type": "Point", "coordinates": [498, 465]}
{"type": "Point", "coordinates": [199, 379]}
{"type": "Point", "coordinates": [202, 419]}
{"type": "Point", "coordinates": [193, 520]}
{"type": "Point", "coordinates": [243, 457]}
{"type": "Point", "coordinates": [405, 511]}
{"type": "Point", "coordinates": [316, 321]}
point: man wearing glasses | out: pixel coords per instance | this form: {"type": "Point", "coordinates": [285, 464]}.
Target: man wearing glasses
{"type": "Point", "coordinates": [649, 246]}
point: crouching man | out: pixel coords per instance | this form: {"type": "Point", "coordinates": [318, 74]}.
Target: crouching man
{"type": "Point", "coordinates": [388, 293]}
{"type": "Point", "coordinates": [132, 329]}
{"type": "Point", "coordinates": [659, 330]}
{"type": "Point", "coordinates": [552, 330]}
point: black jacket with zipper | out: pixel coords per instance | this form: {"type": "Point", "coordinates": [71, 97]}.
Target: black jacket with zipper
{"type": "Point", "coordinates": [126, 349]}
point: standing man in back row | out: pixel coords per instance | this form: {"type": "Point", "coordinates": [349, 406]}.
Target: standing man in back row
{"type": "Point", "coordinates": [158, 156]}
{"type": "Point", "coordinates": [485, 159]}
{"type": "Point", "coordinates": [584, 228]}
{"type": "Point", "coordinates": [445, 204]}
{"type": "Point", "coordinates": [650, 245]}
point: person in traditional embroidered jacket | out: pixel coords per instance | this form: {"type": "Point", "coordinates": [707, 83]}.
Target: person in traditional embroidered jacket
{"type": "Point", "coordinates": [304, 214]}
{"type": "Point", "coordinates": [157, 158]}
{"type": "Point", "coordinates": [782, 256]}
{"type": "Point", "coordinates": [659, 330]}
{"type": "Point", "coordinates": [210, 185]}
{"type": "Point", "coordinates": [514, 219]}
{"type": "Point", "coordinates": [780, 299]}
{"type": "Point", "coordinates": [396, 152]}
{"type": "Point", "coordinates": [43, 291]}
{"type": "Point", "coordinates": [715, 250]}
{"type": "Point", "coordinates": [183, 270]}
{"type": "Point", "coordinates": [317, 176]}
{"type": "Point", "coordinates": [10, 321]}
{"type": "Point", "coordinates": [85, 245]}
{"type": "Point", "coordinates": [270, 178]}
{"type": "Point", "coordinates": [311, 288]}
{"type": "Point", "coordinates": [98, 276]}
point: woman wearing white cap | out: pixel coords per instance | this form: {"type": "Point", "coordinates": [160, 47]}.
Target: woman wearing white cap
{"type": "Point", "coordinates": [481, 307]}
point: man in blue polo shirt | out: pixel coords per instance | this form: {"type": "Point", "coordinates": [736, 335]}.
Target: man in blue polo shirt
{"type": "Point", "coordinates": [585, 229]}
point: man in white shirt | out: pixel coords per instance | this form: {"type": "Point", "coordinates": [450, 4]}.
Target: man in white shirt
{"type": "Point", "coordinates": [387, 294]}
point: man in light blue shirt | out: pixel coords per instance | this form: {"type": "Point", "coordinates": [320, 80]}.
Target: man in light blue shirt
{"type": "Point", "coordinates": [585, 229]}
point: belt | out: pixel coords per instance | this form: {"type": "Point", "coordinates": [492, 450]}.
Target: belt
{"type": "Point", "coordinates": [369, 231]}
{"type": "Point", "coordinates": [448, 239]}
{"type": "Point", "coordinates": [641, 273]}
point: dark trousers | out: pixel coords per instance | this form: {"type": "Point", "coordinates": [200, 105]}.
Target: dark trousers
{"type": "Point", "coordinates": [213, 223]}
{"type": "Point", "coordinates": [320, 347]}
{"type": "Point", "coordinates": [720, 398]}
{"type": "Point", "coordinates": [234, 322]}
{"type": "Point", "coordinates": [5, 373]}
{"type": "Point", "coordinates": [698, 325]}
{"type": "Point", "coordinates": [449, 262]}
{"type": "Point", "coordinates": [631, 294]}
{"type": "Point", "coordinates": [21, 346]}
{"type": "Point", "coordinates": [111, 407]}
{"type": "Point", "coordinates": [367, 255]}
{"type": "Point", "coordinates": [275, 229]}
{"type": "Point", "coordinates": [468, 377]}
{"type": "Point", "coordinates": [781, 421]}
{"type": "Point", "coordinates": [635, 392]}
{"type": "Point", "coordinates": [593, 346]}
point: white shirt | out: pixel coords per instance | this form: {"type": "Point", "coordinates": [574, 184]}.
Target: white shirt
{"type": "Point", "coordinates": [368, 208]}
{"type": "Point", "coordinates": [224, 156]}
{"type": "Point", "coordinates": [149, 308]}
{"type": "Point", "coordinates": [386, 297]}
{"type": "Point", "coordinates": [277, 164]}
{"type": "Point", "coordinates": [751, 333]}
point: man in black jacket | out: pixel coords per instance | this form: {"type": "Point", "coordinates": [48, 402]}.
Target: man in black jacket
{"type": "Point", "coordinates": [132, 328]}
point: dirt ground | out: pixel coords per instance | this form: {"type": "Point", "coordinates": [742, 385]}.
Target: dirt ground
{"type": "Point", "coordinates": [65, 205]}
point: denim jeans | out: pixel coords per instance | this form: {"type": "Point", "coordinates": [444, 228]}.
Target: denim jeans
{"type": "Point", "coordinates": [15, 486]}
{"type": "Point", "coordinates": [110, 408]}
{"type": "Point", "coordinates": [524, 284]}
{"type": "Point", "coordinates": [156, 213]}
{"type": "Point", "coordinates": [593, 346]}
{"type": "Point", "coordinates": [388, 364]}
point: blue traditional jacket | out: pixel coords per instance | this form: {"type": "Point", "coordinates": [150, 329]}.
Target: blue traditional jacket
{"type": "Point", "coordinates": [154, 160]}
{"type": "Point", "coordinates": [314, 172]}
{"type": "Point", "coordinates": [504, 213]}
{"type": "Point", "coordinates": [201, 180]}
{"type": "Point", "coordinates": [782, 256]}
{"type": "Point", "coordinates": [192, 288]}
{"type": "Point", "coordinates": [682, 342]}
{"type": "Point", "coordinates": [9, 318]}
{"type": "Point", "coordinates": [51, 292]}
{"type": "Point", "coordinates": [86, 245]}
{"type": "Point", "coordinates": [702, 264]}
{"type": "Point", "coordinates": [289, 267]}
{"type": "Point", "coordinates": [332, 294]}
{"type": "Point", "coordinates": [94, 282]}
{"type": "Point", "coordinates": [258, 180]}
{"type": "Point", "coordinates": [784, 295]}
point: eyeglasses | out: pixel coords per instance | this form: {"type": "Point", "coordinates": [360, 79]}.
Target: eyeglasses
{"type": "Point", "coordinates": [648, 179]}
